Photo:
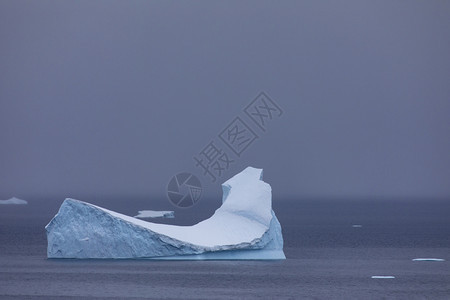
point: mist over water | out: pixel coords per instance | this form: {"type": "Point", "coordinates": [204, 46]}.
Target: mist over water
{"type": "Point", "coordinates": [114, 98]}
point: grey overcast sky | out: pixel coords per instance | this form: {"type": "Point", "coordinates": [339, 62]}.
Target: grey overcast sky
{"type": "Point", "coordinates": [112, 98]}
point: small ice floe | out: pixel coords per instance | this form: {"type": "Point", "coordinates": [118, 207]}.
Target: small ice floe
{"type": "Point", "coordinates": [85, 239]}
{"type": "Point", "coordinates": [382, 277]}
{"type": "Point", "coordinates": [356, 226]}
{"type": "Point", "coordinates": [428, 259]}
{"type": "Point", "coordinates": [13, 200]}
{"type": "Point", "coordinates": [155, 214]}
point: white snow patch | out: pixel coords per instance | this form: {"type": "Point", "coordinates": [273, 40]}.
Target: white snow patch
{"type": "Point", "coordinates": [245, 215]}
{"type": "Point", "coordinates": [155, 214]}
{"type": "Point", "coordinates": [13, 200]}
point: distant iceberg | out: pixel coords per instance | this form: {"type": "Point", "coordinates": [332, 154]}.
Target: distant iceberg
{"type": "Point", "coordinates": [13, 200]}
{"type": "Point", "coordinates": [244, 227]}
{"type": "Point", "coordinates": [155, 214]}
{"type": "Point", "coordinates": [428, 259]}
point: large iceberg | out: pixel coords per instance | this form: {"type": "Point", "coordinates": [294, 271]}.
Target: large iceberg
{"type": "Point", "coordinates": [244, 227]}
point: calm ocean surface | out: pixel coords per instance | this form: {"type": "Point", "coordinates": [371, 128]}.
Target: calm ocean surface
{"type": "Point", "coordinates": [327, 257]}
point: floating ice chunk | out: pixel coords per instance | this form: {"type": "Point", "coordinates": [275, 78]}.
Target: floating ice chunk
{"type": "Point", "coordinates": [13, 200]}
{"type": "Point", "coordinates": [382, 277]}
{"type": "Point", "coordinates": [155, 214]}
{"type": "Point", "coordinates": [244, 227]}
{"type": "Point", "coordinates": [428, 259]}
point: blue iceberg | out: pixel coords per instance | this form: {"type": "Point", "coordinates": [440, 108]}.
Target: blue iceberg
{"type": "Point", "coordinates": [244, 227]}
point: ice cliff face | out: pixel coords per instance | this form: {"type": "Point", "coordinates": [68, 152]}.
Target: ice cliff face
{"type": "Point", "coordinates": [244, 227]}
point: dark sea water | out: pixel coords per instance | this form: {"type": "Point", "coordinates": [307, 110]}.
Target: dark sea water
{"type": "Point", "coordinates": [327, 258]}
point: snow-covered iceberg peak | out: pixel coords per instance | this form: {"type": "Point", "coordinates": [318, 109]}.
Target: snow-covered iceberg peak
{"type": "Point", "coordinates": [246, 194]}
{"type": "Point", "coordinates": [244, 227]}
